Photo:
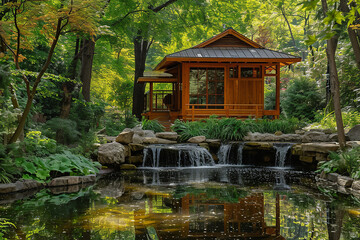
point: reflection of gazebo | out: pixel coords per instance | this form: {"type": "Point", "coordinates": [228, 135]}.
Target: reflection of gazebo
{"type": "Point", "coordinates": [197, 217]}
{"type": "Point", "coordinates": [223, 76]}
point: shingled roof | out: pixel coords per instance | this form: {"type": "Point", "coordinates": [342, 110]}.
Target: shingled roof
{"type": "Point", "coordinates": [228, 46]}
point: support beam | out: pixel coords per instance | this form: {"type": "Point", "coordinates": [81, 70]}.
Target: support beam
{"type": "Point", "coordinates": [151, 97]}
{"type": "Point", "coordinates": [277, 100]}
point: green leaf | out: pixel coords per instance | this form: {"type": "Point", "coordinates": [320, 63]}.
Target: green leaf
{"type": "Point", "coordinates": [29, 167]}
{"type": "Point", "coordinates": [311, 40]}
{"type": "Point", "coordinates": [43, 174]}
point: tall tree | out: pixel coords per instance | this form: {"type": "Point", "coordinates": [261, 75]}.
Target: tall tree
{"type": "Point", "coordinates": [53, 18]}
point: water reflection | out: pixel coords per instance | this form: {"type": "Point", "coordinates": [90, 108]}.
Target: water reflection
{"type": "Point", "coordinates": [224, 203]}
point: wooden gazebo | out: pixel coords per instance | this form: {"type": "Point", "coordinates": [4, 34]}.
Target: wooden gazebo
{"type": "Point", "coordinates": [222, 76]}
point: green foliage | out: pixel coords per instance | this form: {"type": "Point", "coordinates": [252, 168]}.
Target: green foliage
{"type": "Point", "coordinates": [5, 225]}
{"type": "Point", "coordinates": [302, 99]}
{"type": "Point", "coordinates": [36, 145]}
{"type": "Point", "coordinates": [152, 125]}
{"type": "Point", "coordinates": [115, 122]}
{"type": "Point", "coordinates": [63, 130]}
{"type": "Point", "coordinates": [231, 128]}
{"type": "Point", "coordinates": [40, 169]}
{"type": "Point", "coordinates": [87, 114]}
{"type": "Point", "coordinates": [8, 171]}
{"type": "Point", "coordinates": [346, 162]}
{"type": "Point", "coordinates": [350, 119]}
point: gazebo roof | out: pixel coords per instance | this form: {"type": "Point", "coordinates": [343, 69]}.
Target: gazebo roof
{"type": "Point", "coordinates": [228, 46]}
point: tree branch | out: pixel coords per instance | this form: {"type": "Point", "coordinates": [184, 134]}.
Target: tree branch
{"type": "Point", "coordinates": [159, 8]}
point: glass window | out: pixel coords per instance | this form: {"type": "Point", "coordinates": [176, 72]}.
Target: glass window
{"type": "Point", "coordinates": [206, 86]}
{"type": "Point", "coordinates": [250, 72]}
{"type": "Point", "coordinates": [233, 72]}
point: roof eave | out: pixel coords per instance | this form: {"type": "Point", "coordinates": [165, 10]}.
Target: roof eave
{"type": "Point", "coordinates": [285, 61]}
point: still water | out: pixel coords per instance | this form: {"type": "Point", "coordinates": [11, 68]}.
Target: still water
{"type": "Point", "coordinates": [194, 203]}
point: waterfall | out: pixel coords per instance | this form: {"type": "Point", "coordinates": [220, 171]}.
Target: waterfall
{"type": "Point", "coordinates": [240, 153]}
{"type": "Point", "coordinates": [178, 155]}
{"type": "Point", "coordinates": [281, 152]}
{"type": "Point", "coordinates": [224, 153]}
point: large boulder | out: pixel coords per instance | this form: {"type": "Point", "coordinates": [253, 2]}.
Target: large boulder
{"type": "Point", "coordinates": [354, 133]}
{"type": "Point", "coordinates": [167, 135]}
{"type": "Point", "coordinates": [137, 139]}
{"type": "Point", "coordinates": [125, 137]}
{"type": "Point", "coordinates": [111, 153]}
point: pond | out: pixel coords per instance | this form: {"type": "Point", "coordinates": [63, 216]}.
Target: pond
{"type": "Point", "coordinates": [189, 203]}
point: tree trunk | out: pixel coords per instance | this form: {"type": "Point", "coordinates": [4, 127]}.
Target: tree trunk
{"type": "Point", "coordinates": [68, 87]}
{"type": "Point", "coordinates": [353, 36]}
{"type": "Point", "coordinates": [334, 81]}
{"type": "Point", "coordinates": [86, 67]}
{"type": "Point", "coordinates": [141, 48]}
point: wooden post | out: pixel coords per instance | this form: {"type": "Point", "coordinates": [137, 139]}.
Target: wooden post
{"type": "Point", "coordinates": [151, 97]}
{"type": "Point", "coordinates": [277, 100]}
{"type": "Point", "coordinates": [193, 113]}
{"type": "Point", "coordinates": [227, 110]}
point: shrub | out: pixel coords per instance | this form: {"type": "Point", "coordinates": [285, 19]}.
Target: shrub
{"type": "Point", "coordinates": [63, 130]}
{"type": "Point", "coordinates": [302, 99]}
{"type": "Point", "coordinates": [346, 162]}
{"type": "Point", "coordinates": [152, 125]}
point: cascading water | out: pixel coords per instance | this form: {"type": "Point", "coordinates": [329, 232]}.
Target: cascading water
{"type": "Point", "coordinates": [240, 153]}
{"type": "Point", "coordinates": [178, 155]}
{"type": "Point", "coordinates": [224, 153]}
{"type": "Point", "coordinates": [228, 154]}
{"type": "Point", "coordinates": [281, 152]}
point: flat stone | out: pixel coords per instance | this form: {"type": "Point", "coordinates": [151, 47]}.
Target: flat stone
{"type": "Point", "coordinates": [127, 151]}
{"type": "Point", "coordinates": [88, 178]}
{"type": "Point", "coordinates": [213, 140]}
{"type": "Point", "coordinates": [215, 144]}
{"type": "Point", "coordinates": [345, 181]}
{"type": "Point", "coordinates": [197, 139]}
{"type": "Point", "coordinates": [135, 147]}
{"type": "Point", "coordinates": [300, 132]}
{"type": "Point", "coordinates": [204, 145]}
{"type": "Point", "coordinates": [356, 185]}
{"type": "Point", "coordinates": [150, 140]}
{"type": "Point", "coordinates": [354, 133]}
{"type": "Point", "coordinates": [64, 181]}
{"type": "Point", "coordinates": [7, 188]}
{"type": "Point", "coordinates": [167, 135]}
{"type": "Point", "coordinates": [307, 159]}
{"type": "Point", "coordinates": [296, 150]}
{"type": "Point", "coordinates": [65, 189]}
{"type": "Point", "coordinates": [111, 153]}
{"type": "Point", "coordinates": [127, 167]}
{"type": "Point", "coordinates": [125, 137]}
{"type": "Point", "coordinates": [314, 136]}
{"type": "Point", "coordinates": [320, 147]}
{"type": "Point", "coordinates": [290, 138]}
{"type": "Point", "coordinates": [165, 141]}
{"type": "Point", "coordinates": [136, 160]}
{"type": "Point", "coordinates": [333, 177]}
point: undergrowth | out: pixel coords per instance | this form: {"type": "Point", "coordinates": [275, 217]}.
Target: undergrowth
{"type": "Point", "coordinates": [231, 128]}
{"type": "Point", "coordinates": [346, 163]}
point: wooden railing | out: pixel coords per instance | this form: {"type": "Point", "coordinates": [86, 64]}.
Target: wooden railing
{"type": "Point", "coordinates": [156, 104]}
{"type": "Point", "coordinates": [196, 111]}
